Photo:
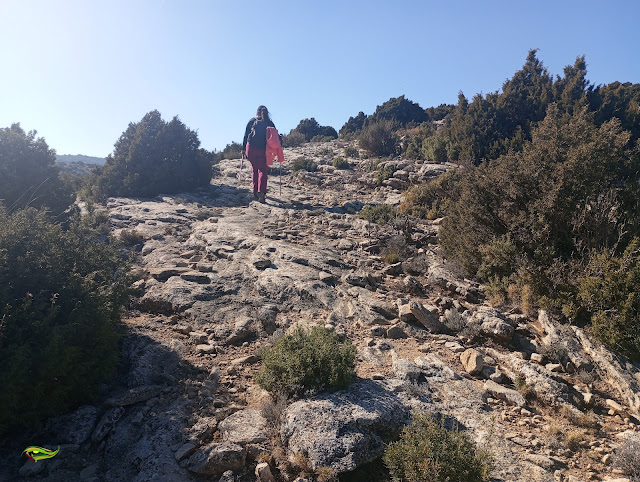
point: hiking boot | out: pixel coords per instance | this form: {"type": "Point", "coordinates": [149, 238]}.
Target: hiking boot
{"type": "Point", "coordinates": [255, 196]}
{"type": "Point", "coordinates": [261, 197]}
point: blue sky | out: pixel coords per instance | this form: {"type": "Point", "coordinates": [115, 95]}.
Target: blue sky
{"type": "Point", "coordinates": [78, 71]}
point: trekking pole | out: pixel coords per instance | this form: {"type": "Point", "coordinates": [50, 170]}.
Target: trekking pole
{"type": "Point", "coordinates": [280, 166]}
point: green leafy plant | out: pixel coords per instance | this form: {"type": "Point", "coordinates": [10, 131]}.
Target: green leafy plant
{"type": "Point", "coordinates": [384, 173]}
{"type": "Point", "coordinates": [352, 152]}
{"type": "Point", "coordinates": [61, 294]}
{"type": "Point", "coordinates": [303, 361]}
{"type": "Point", "coordinates": [429, 451]}
{"type": "Point", "coordinates": [152, 157]}
{"type": "Point", "coordinates": [303, 164]}
{"type": "Point", "coordinates": [380, 214]}
{"type": "Point", "coordinates": [379, 139]}
{"type": "Point", "coordinates": [341, 163]}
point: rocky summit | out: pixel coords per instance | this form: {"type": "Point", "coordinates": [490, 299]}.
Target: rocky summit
{"type": "Point", "coordinates": [220, 277]}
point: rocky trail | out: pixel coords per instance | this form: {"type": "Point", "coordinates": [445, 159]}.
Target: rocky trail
{"type": "Point", "coordinates": [222, 276]}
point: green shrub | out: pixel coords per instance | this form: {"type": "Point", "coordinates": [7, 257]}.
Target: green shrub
{"type": "Point", "coordinates": [303, 164]}
{"type": "Point", "coordinates": [153, 157]}
{"type": "Point", "coordinates": [609, 291]}
{"type": "Point", "coordinates": [293, 139]}
{"type": "Point", "coordinates": [131, 237]}
{"type": "Point", "coordinates": [352, 152]}
{"type": "Point", "coordinates": [61, 292]}
{"type": "Point", "coordinates": [431, 199]}
{"type": "Point", "coordinates": [384, 173]}
{"type": "Point", "coordinates": [303, 361]}
{"type": "Point", "coordinates": [322, 138]}
{"type": "Point", "coordinates": [434, 149]}
{"type": "Point", "coordinates": [28, 173]}
{"type": "Point", "coordinates": [380, 214]}
{"type": "Point", "coordinates": [341, 163]}
{"type": "Point", "coordinates": [379, 139]}
{"type": "Point", "coordinates": [428, 451]}
{"type": "Point", "coordinates": [326, 152]}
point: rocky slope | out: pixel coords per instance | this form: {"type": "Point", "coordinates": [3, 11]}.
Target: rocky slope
{"type": "Point", "coordinates": [222, 276]}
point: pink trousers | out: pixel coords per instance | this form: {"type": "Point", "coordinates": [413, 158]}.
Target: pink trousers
{"type": "Point", "coordinates": [258, 160]}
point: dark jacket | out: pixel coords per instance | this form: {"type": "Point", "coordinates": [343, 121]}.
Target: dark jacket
{"type": "Point", "coordinates": [260, 140]}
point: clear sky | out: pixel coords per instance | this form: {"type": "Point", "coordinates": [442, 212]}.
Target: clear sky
{"type": "Point", "coordinates": [78, 71]}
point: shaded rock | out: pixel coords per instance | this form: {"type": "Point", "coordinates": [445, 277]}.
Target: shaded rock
{"type": "Point", "coordinates": [472, 361]}
{"type": "Point", "coordinates": [405, 370]}
{"type": "Point", "coordinates": [497, 329]}
{"type": "Point", "coordinates": [262, 264]}
{"type": "Point", "coordinates": [29, 469]}
{"type": "Point", "coordinates": [563, 339]}
{"type": "Point", "coordinates": [217, 458]}
{"type": "Point", "coordinates": [263, 473]}
{"type": "Point", "coordinates": [345, 429]}
{"type": "Point", "coordinates": [76, 427]}
{"type": "Point", "coordinates": [196, 277]}
{"type": "Point", "coordinates": [356, 279]}
{"type": "Point", "coordinates": [244, 427]}
{"type": "Point", "coordinates": [185, 451]}
{"type": "Point", "coordinates": [396, 332]}
{"type": "Point", "coordinates": [163, 274]}
{"type": "Point", "coordinates": [135, 395]}
{"type": "Point", "coordinates": [625, 381]}
{"type": "Point", "coordinates": [547, 386]}
{"type": "Point", "coordinates": [434, 368]}
{"type": "Point", "coordinates": [202, 430]}
{"type": "Point", "coordinates": [426, 316]}
{"type": "Point", "coordinates": [106, 423]}
{"type": "Point", "coordinates": [498, 391]}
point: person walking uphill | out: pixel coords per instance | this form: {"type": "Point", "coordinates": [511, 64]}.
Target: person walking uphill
{"type": "Point", "coordinates": [255, 145]}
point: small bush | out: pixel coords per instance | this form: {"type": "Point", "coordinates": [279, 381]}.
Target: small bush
{"type": "Point", "coordinates": [303, 164]}
{"type": "Point", "coordinates": [352, 152]}
{"type": "Point", "coordinates": [384, 173]}
{"type": "Point", "coordinates": [303, 361]}
{"type": "Point", "coordinates": [327, 152]}
{"type": "Point", "coordinates": [294, 139]}
{"type": "Point", "coordinates": [428, 451]}
{"type": "Point", "coordinates": [341, 163]}
{"type": "Point", "coordinates": [321, 138]}
{"type": "Point", "coordinates": [61, 293]}
{"type": "Point", "coordinates": [379, 139]}
{"type": "Point", "coordinates": [380, 214]}
{"type": "Point", "coordinates": [627, 459]}
{"type": "Point", "coordinates": [131, 237]}
{"type": "Point", "coordinates": [610, 291]}
{"type": "Point", "coordinates": [431, 199]}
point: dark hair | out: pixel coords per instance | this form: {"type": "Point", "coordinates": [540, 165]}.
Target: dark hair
{"type": "Point", "coordinates": [263, 113]}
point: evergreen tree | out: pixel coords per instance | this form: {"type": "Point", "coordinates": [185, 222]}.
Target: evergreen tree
{"type": "Point", "coordinates": [152, 157]}
{"type": "Point", "coordinates": [28, 174]}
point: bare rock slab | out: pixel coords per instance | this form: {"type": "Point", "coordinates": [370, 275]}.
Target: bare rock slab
{"type": "Point", "coordinates": [244, 427]}
{"type": "Point", "coordinates": [472, 361]}
{"type": "Point", "coordinates": [216, 458]}
{"type": "Point", "coordinates": [498, 391]}
{"type": "Point", "coordinates": [135, 395]}
{"type": "Point", "coordinates": [345, 429]}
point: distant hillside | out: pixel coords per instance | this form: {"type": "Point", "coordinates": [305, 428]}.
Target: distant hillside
{"type": "Point", "coordinates": [69, 159]}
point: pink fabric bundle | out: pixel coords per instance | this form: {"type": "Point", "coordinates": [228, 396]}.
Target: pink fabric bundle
{"type": "Point", "coordinates": [274, 149]}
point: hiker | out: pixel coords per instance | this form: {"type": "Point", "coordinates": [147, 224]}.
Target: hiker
{"type": "Point", "coordinates": [255, 145]}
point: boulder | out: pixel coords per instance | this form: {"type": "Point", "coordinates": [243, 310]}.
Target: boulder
{"type": "Point", "coordinates": [346, 429]}
{"type": "Point", "coordinates": [472, 361]}
{"type": "Point", "coordinates": [426, 316]}
{"type": "Point", "coordinates": [244, 427]}
{"type": "Point", "coordinates": [76, 427]}
{"type": "Point", "coordinates": [106, 423]}
{"type": "Point", "coordinates": [513, 397]}
{"type": "Point", "coordinates": [217, 458]}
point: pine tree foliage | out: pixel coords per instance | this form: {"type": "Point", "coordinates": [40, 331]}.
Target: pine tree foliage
{"type": "Point", "coordinates": [153, 157]}
{"type": "Point", "coordinates": [28, 174]}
